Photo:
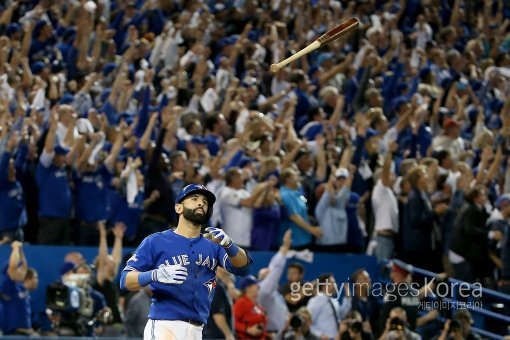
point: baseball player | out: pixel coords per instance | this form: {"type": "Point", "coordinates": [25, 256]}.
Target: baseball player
{"type": "Point", "coordinates": [179, 266]}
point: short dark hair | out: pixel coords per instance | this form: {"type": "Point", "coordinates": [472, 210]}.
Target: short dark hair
{"type": "Point", "coordinates": [298, 76]}
{"type": "Point", "coordinates": [356, 274]}
{"type": "Point", "coordinates": [176, 155]}
{"type": "Point", "coordinates": [231, 173]}
{"type": "Point", "coordinates": [441, 155]}
{"type": "Point", "coordinates": [31, 272]}
{"type": "Point", "coordinates": [298, 266]}
{"type": "Point", "coordinates": [323, 278]}
{"type": "Point", "coordinates": [211, 121]}
{"type": "Point", "coordinates": [473, 193]}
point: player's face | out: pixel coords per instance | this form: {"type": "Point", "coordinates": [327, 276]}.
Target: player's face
{"type": "Point", "coordinates": [195, 209]}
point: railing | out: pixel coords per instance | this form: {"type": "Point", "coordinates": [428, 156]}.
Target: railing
{"type": "Point", "coordinates": [485, 292]}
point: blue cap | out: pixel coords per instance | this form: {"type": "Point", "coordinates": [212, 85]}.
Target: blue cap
{"type": "Point", "coordinates": [67, 98]}
{"type": "Point", "coordinates": [67, 267]}
{"type": "Point", "coordinates": [313, 131]}
{"type": "Point", "coordinates": [247, 281]}
{"type": "Point", "coordinates": [230, 40]}
{"type": "Point", "coordinates": [60, 150]}
{"type": "Point", "coordinates": [69, 33]}
{"type": "Point", "coordinates": [128, 118]}
{"type": "Point", "coordinates": [107, 146]}
{"type": "Point", "coordinates": [401, 87]}
{"type": "Point", "coordinates": [312, 70]}
{"type": "Point", "coordinates": [12, 28]}
{"type": "Point", "coordinates": [245, 161]}
{"type": "Point", "coordinates": [473, 113]}
{"type": "Point", "coordinates": [37, 67]}
{"type": "Point", "coordinates": [195, 189]}
{"type": "Point", "coordinates": [109, 68]}
{"type": "Point", "coordinates": [38, 27]}
{"type": "Point", "coordinates": [123, 155]}
{"type": "Point", "coordinates": [323, 57]}
{"type": "Point", "coordinates": [398, 102]}
{"type": "Point", "coordinates": [502, 199]}
{"type": "Point", "coordinates": [371, 133]}
{"type": "Point", "coordinates": [425, 72]}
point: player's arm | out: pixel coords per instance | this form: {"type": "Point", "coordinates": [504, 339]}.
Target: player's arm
{"type": "Point", "coordinates": [139, 271]}
{"type": "Point", "coordinates": [17, 268]}
{"type": "Point", "coordinates": [237, 256]}
{"type": "Point", "coordinates": [170, 274]}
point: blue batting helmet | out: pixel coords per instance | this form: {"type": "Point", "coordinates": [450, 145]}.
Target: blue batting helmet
{"type": "Point", "coordinates": [197, 189]}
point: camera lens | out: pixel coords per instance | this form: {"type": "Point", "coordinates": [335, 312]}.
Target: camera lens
{"type": "Point", "coordinates": [295, 321]}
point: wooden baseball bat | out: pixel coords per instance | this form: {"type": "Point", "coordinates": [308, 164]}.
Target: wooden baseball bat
{"type": "Point", "coordinates": [339, 31]}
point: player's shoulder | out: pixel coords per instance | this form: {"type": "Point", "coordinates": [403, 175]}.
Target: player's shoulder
{"type": "Point", "coordinates": [169, 234]}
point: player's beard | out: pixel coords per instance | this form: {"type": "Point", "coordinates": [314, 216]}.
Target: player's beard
{"type": "Point", "coordinates": [193, 217]}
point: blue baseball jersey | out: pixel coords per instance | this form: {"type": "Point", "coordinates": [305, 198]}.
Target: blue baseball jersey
{"type": "Point", "coordinates": [17, 305]}
{"type": "Point", "coordinates": [191, 299]}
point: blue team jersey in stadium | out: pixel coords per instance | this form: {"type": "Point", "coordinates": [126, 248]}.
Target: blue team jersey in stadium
{"type": "Point", "coordinates": [192, 299]}
{"type": "Point", "coordinates": [16, 305]}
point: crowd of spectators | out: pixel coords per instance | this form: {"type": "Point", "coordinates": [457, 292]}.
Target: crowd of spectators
{"type": "Point", "coordinates": [392, 141]}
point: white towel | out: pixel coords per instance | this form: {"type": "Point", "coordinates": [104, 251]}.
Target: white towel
{"type": "Point", "coordinates": [131, 187]}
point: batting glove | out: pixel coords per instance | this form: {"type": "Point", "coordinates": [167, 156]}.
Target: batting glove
{"type": "Point", "coordinates": [170, 274]}
{"type": "Point", "coordinates": [219, 235]}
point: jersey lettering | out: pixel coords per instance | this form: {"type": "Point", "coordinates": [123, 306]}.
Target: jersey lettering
{"type": "Point", "coordinates": [206, 262]}
{"type": "Point", "coordinates": [180, 259]}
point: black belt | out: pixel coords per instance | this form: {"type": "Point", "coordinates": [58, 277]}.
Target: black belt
{"type": "Point", "coordinates": [194, 322]}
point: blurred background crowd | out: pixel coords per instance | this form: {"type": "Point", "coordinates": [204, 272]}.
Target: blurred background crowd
{"type": "Point", "coordinates": [393, 141]}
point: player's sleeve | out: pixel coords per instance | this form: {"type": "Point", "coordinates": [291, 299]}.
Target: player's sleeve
{"type": "Point", "coordinates": [224, 262]}
{"type": "Point", "coordinates": [141, 260]}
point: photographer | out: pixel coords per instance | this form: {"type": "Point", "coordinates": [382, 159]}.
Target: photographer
{"type": "Point", "coordinates": [397, 323]}
{"type": "Point", "coordinates": [463, 317]}
{"type": "Point", "coordinates": [76, 308]}
{"type": "Point", "coordinates": [351, 328]}
{"type": "Point", "coordinates": [451, 330]}
{"type": "Point", "coordinates": [298, 326]}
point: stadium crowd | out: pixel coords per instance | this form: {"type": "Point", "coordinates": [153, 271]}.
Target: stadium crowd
{"type": "Point", "coordinates": [392, 141]}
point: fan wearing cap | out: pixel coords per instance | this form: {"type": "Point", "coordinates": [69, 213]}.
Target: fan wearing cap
{"type": "Point", "coordinates": [42, 39]}
{"type": "Point", "coordinates": [55, 198]}
{"type": "Point", "coordinates": [450, 139]}
{"type": "Point", "coordinates": [330, 211]}
{"type": "Point", "coordinates": [463, 316]}
{"type": "Point", "coordinates": [180, 266]}
{"type": "Point", "coordinates": [250, 317]}
{"type": "Point", "coordinates": [92, 176]}
{"type": "Point", "coordinates": [11, 192]}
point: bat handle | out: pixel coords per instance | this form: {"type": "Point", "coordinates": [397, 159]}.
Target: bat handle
{"type": "Point", "coordinates": [275, 67]}
{"type": "Point", "coordinates": [313, 46]}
